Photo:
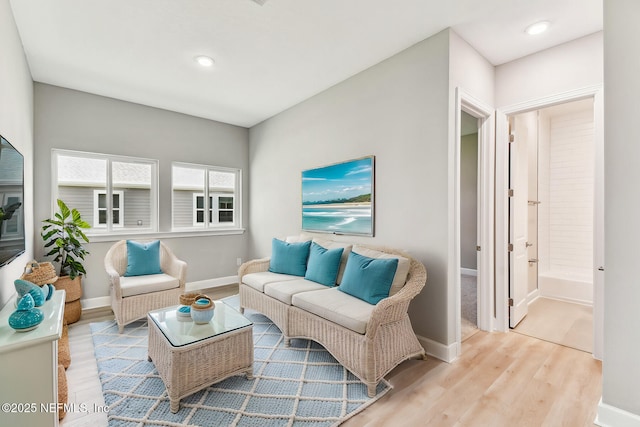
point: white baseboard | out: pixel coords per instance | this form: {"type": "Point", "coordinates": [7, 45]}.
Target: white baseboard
{"type": "Point", "coordinates": [211, 283]}
{"type": "Point", "coordinates": [469, 271]}
{"type": "Point", "coordinates": [438, 350]}
{"type": "Point", "coordinates": [101, 302]}
{"type": "Point", "coordinates": [533, 296]}
{"type": "Point", "coordinates": [610, 416]}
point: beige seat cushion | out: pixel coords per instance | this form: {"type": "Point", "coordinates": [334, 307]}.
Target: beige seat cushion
{"type": "Point", "coordinates": [258, 280]}
{"type": "Point", "coordinates": [400, 278]}
{"type": "Point", "coordinates": [284, 291]}
{"type": "Point", "coordinates": [337, 307]}
{"type": "Point", "coordinates": [137, 285]}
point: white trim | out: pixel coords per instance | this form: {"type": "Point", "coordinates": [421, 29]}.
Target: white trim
{"type": "Point", "coordinates": [501, 213]}
{"type": "Point", "coordinates": [469, 271]}
{"type": "Point", "coordinates": [208, 192]}
{"type": "Point", "coordinates": [532, 296]}
{"type": "Point", "coordinates": [103, 302]}
{"type": "Point", "coordinates": [211, 283]}
{"type": "Point", "coordinates": [109, 158]}
{"type": "Point", "coordinates": [486, 148]}
{"type": "Point", "coordinates": [98, 302]}
{"type": "Point", "coordinates": [610, 416]}
{"type": "Point", "coordinates": [446, 353]}
{"type": "Point", "coordinates": [114, 237]}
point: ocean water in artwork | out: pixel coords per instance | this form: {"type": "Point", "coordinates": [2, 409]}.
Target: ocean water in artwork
{"type": "Point", "coordinates": [337, 219]}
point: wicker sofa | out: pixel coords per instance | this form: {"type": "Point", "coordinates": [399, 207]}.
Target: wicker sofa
{"type": "Point", "coordinates": [369, 340]}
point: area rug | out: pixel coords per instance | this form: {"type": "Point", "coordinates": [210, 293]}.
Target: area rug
{"type": "Point", "coordinates": [301, 385]}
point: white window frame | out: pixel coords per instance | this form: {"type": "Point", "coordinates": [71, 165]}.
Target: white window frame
{"type": "Point", "coordinates": [109, 158]}
{"type": "Point", "coordinates": [97, 209]}
{"type": "Point", "coordinates": [218, 210]}
{"type": "Point", "coordinates": [212, 207]}
{"type": "Point", "coordinates": [204, 209]}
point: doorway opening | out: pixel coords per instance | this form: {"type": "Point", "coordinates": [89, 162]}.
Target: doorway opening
{"type": "Point", "coordinates": [475, 241]}
{"type": "Point", "coordinates": [552, 176]}
{"type": "Point", "coordinates": [469, 168]}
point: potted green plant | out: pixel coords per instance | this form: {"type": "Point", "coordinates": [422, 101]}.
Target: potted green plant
{"type": "Point", "coordinates": [64, 236]}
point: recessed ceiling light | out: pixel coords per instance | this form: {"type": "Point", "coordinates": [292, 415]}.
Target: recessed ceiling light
{"type": "Point", "coordinates": [205, 61]}
{"type": "Point", "coordinates": [537, 28]}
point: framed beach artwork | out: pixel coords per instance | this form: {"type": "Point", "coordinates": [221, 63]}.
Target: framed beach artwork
{"type": "Point", "coordinates": [338, 198]}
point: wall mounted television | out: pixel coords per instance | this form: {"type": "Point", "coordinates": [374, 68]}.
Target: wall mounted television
{"type": "Point", "coordinates": [12, 239]}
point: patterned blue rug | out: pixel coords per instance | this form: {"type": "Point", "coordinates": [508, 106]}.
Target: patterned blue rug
{"type": "Point", "coordinates": [302, 385]}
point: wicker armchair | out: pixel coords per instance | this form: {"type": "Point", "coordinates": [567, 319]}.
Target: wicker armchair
{"type": "Point", "coordinates": [129, 306]}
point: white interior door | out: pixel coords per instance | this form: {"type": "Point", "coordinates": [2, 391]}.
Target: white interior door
{"type": "Point", "coordinates": [518, 221]}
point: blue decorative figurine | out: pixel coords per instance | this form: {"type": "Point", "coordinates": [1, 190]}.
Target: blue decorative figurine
{"type": "Point", "coordinates": [26, 317]}
{"type": "Point", "coordinates": [25, 287]}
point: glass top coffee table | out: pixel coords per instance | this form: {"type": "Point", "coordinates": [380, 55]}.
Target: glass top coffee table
{"type": "Point", "coordinates": [190, 357]}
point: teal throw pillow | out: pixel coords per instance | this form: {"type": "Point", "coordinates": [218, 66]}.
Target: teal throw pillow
{"type": "Point", "coordinates": [323, 264]}
{"type": "Point", "coordinates": [368, 278]}
{"type": "Point", "coordinates": [289, 258]}
{"type": "Point", "coordinates": [143, 258]}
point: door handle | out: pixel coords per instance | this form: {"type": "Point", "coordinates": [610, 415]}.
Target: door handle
{"type": "Point", "coordinates": [600, 268]}
{"type": "Point", "coordinates": [533, 260]}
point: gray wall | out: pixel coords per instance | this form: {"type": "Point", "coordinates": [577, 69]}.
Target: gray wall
{"type": "Point", "coordinates": [16, 126]}
{"type": "Point", "coordinates": [73, 120]}
{"type": "Point", "coordinates": [621, 376]}
{"type": "Point", "coordinates": [402, 111]}
{"type": "Point", "coordinates": [469, 201]}
{"type": "Point", "coordinates": [397, 111]}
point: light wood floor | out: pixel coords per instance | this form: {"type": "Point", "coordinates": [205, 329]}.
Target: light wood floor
{"type": "Point", "coordinates": [501, 379]}
{"type": "Point", "coordinates": [560, 322]}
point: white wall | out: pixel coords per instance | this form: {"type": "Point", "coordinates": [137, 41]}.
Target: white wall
{"type": "Point", "coordinates": [621, 376]}
{"type": "Point", "coordinates": [395, 110]}
{"type": "Point", "coordinates": [573, 65]}
{"type": "Point", "coordinates": [73, 120]}
{"type": "Point", "coordinates": [568, 199]}
{"type": "Point", "coordinates": [16, 126]}
{"type": "Point", "coordinates": [470, 71]}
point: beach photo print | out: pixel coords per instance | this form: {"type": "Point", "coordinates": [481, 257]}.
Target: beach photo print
{"type": "Point", "coordinates": [338, 198]}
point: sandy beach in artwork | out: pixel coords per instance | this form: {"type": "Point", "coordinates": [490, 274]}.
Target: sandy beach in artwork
{"type": "Point", "coordinates": [339, 205]}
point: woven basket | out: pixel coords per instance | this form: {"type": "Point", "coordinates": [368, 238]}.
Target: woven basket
{"type": "Point", "coordinates": [63, 392]}
{"type": "Point", "coordinates": [64, 355]}
{"type": "Point", "coordinates": [72, 288]}
{"type": "Point", "coordinates": [202, 307]}
{"type": "Point", "coordinates": [40, 273]}
{"type": "Point", "coordinates": [188, 299]}
{"type": "Point", "coordinates": [72, 311]}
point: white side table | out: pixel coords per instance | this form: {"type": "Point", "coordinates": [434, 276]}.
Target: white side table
{"type": "Point", "coordinates": [29, 367]}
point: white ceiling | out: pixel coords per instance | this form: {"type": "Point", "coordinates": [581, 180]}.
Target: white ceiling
{"type": "Point", "coordinates": [270, 57]}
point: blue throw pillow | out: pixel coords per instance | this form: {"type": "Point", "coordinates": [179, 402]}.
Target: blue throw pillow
{"type": "Point", "coordinates": [143, 258]}
{"type": "Point", "coordinates": [368, 278]}
{"type": "Point", "coordinates": [323, 264]}
{"type": "Point", "coordinates": [289, 258]}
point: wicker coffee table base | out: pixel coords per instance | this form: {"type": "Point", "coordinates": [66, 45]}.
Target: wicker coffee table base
{"type": "Point", "coordinates": [190, 368]}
